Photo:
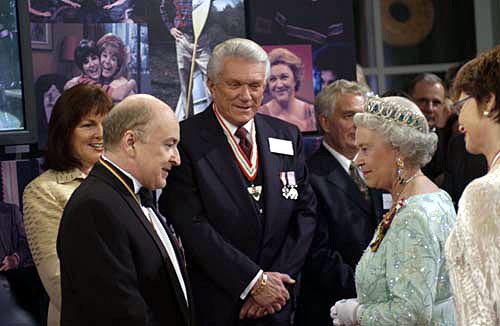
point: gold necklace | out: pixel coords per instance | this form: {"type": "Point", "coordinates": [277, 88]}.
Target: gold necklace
{"type": "Point", "coordinates": [148, 215]}
{"type": "Point", "coordinates": [110, 169]}
{"type": "Point", "coordinates": [387, 218]}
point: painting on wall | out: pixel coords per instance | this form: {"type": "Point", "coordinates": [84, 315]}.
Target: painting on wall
{"type": "Point", "coordinates": [328, 26]}
{"type": "Point", "coordinates": [41, 36]}
{"type": "Point", "coordinates": [87, 12]}
{"type": "Point", "coordinates": [114, 56]}
{"type": "Point", "coordinates": [182, 40]}
{"type": "Point", "coordinates": [289, 91]}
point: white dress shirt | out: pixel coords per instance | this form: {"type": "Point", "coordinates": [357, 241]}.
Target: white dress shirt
{"type": "Point", "coordinates": [232, 128]}
{"type": "Point", "coordinates": [343, 161]}
{"type": "Point", "coordinates": [159, 229]}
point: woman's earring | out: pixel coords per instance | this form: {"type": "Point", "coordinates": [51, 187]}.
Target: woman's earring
{"type": "Point", "coordinates": [486, 113]}
{"type": "Point", "coordinates": [400, 166]}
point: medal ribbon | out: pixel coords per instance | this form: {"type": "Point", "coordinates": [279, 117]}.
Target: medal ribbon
{"type": "Point", "coordinates": [125, 184]}
{"type": "Point", "coordinates": [283, 179]}
{"type": "Point", "coordinates": [288, 179]}
{"type": "Point", "coordinates": [248, 167]}
{"type": "Point", "coordinates": [110, 169]}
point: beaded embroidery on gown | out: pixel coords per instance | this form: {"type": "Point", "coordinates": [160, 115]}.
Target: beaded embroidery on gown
{"type": "Point", "coordinates": [405, 282]}
{"type": "Point", "coordinates": [473, 252]}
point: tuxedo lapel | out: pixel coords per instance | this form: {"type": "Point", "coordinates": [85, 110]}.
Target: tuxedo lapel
{"type": "Point", "coordinates": [340, 179]}
{"type": "Point", "coordinates": [222, 161]}
{"type": "Point", "coordinates": [182, 265]}
{"type": "Point", "coordinates": [101, 172]}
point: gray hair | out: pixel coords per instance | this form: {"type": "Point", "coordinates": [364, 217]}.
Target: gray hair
{"type": "Point", "coordinates": [133, 113]}
{"type": "Point", "coordinates": [426, 77]}
{"type": "Point", "coordinates": [414, 145]}
{"type": "Point", "coordinates": [326, 100]}
{"type": "Point", "coordinates": [239, 48]}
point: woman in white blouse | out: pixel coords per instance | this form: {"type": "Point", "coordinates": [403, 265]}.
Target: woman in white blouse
{"type": "Point", "coordinates": [473, 248]}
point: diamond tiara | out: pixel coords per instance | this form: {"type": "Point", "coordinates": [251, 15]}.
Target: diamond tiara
{"type": "Point", "coordinates": [395, 112]}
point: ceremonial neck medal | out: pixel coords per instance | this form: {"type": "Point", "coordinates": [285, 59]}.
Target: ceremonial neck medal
{"type": "Point", "coordinates": [255, 191]}
{"type": "Point", "coordinates": [250, 166]}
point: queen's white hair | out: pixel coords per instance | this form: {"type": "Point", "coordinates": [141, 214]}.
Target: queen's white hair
{"type": "Point", "coordinates": [414, 145]}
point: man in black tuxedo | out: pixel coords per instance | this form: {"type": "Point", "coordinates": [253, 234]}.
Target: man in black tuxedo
{"type": "Point", "coordinates": [120, 262]}
{"type": "Point", "coordinates": [241, 201]}
{"type": "Point", "coordinates": [347, 210]}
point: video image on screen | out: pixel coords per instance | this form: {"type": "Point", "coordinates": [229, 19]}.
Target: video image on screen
{"type": "Point", "coordinates": [11, 93]}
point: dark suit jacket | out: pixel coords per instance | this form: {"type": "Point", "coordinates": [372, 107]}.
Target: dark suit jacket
{"type": "Point", "coordinates": [226, 239]}
{"type": "Point", "coordinates": [114, 268]}
{"type": "Point", "coordinates": [346, 225]}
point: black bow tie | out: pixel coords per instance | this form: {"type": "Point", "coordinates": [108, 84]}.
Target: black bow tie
{"type": "Point", "coordinates": [146, 197]}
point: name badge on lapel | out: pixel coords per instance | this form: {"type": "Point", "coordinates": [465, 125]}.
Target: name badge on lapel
{"type": "Point", "coordinates": [289, 189]}
{"type": "Point", "coordinates": [280, 146]}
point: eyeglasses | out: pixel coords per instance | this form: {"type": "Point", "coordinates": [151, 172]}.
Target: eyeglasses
{"type": "Point", "coordinates": [457, 106]}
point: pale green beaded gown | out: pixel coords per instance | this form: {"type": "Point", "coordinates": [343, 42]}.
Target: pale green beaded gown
{"type": "Point", "coordinates": [405, 282]}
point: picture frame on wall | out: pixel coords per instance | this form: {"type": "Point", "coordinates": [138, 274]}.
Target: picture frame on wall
{"type": "Point", "coordinates": [289, 92]}
{"type": "Point", "coordinates": [41, 36]}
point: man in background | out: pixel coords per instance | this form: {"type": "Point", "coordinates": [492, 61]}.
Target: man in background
{"type": "Point", "coordinates": [428, 92]}
{"type": "Point", "coordinates": [348, 211]}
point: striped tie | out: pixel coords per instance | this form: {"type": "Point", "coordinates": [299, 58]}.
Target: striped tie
{"type": "Point", "coordinates": [356, 177]}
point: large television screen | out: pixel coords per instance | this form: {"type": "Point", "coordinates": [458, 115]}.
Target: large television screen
{"type": "Point", "coordinates": [17, 112]}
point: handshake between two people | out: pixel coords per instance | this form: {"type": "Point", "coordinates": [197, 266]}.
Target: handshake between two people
{"type": "Point", "coordinates": [268, 296]}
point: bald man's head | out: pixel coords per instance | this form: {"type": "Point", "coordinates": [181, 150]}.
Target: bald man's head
{"type": "Point", "coordinates": [134, 113]}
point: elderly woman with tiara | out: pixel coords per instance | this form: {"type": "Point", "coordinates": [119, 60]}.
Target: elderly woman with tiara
{"type": "Point", "coordinates": [401, 278]}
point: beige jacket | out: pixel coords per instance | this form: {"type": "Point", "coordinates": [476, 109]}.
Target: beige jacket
{"type": "Point", "coordinates": [43, 204]}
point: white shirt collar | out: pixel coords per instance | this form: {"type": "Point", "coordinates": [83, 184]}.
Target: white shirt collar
{"type": "Point", "coordinates": [137, 184]}
{"type": "Point", "coordinates": [344, 161]}
{"type": "Point", "coordinates": [232, 128]}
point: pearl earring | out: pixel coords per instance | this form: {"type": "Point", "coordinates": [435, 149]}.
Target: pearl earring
{"type": "Point", "coordinates": [486, 113]}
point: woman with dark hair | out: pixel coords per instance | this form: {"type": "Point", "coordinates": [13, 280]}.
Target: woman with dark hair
{"type": "Point", "coordinates": [87, 60]}
{"type": "Point", "coordinates": [48, 88]}
{"type": "Point", "coordinates": [473, 248]}
{"type": "Point", "coordinates": [74, 145]}
{"type": "Point", "coordinates": [287, 71]}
